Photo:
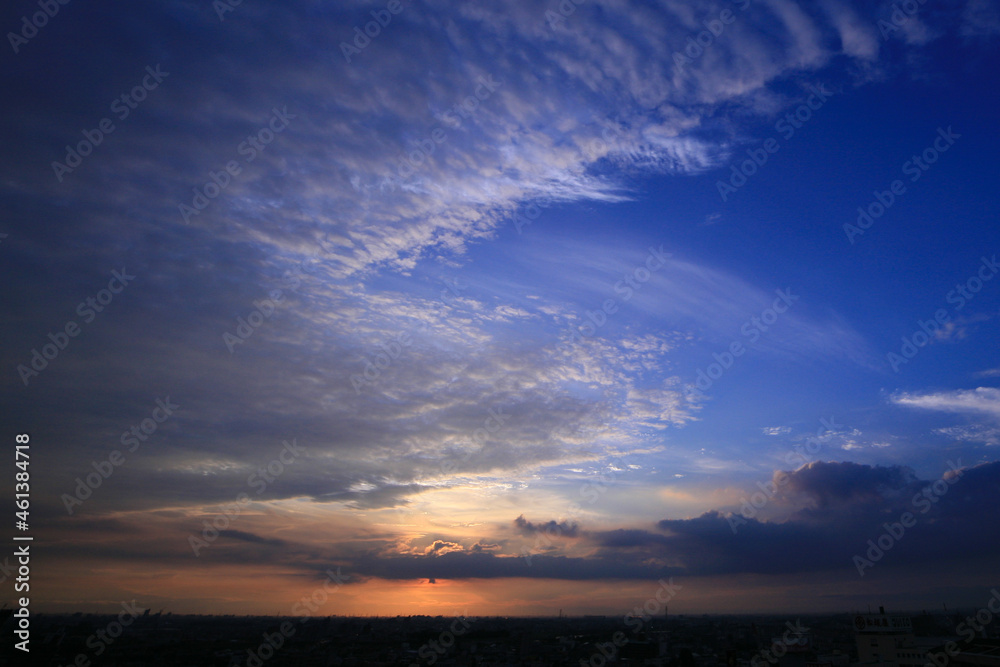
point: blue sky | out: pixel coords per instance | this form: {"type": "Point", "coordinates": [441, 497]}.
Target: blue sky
{"type": "Point", "coordinates": [383, 257]}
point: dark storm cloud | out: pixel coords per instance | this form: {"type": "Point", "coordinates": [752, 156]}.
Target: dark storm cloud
{"type": "Point", "coordinates": [834, 483]}
{"type": "Point", "coordinates": [626, 538]}
{"type": "Point", "coordinates": [828, 536]}
{"type": "Point", "coordinates": [806, 541]}
{"type": "Point", "coordinates": [950, 530]}
{"type": "Point", "coordinates": [563, 528]}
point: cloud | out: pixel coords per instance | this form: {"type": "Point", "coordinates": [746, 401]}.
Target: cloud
{"type": "Point", "coordinates": [559, 528]}
{"type": "Point", "coordinates": [356, 177]}
{"type": "Point", "coordinates": [981, 401]}
{"type": "Point", "coordinates": [325, 214]}
{"type": "Point", "coordinates": [776, 430]}
{"type": "Point", "coordinates": [858, 36]}
{"type": "Point", "coordinates": [835, 484]}
{"type": "Point", "coordinates": [987, 435]}
{"type": "Point", "coordinates": [959, 328]}
{"type": "Point", "coordinates": [393, 391]}
{"type": "Point", "coordinates": [377, 495]}
{"type": "Point", "coordinates": [980, 18]}
{"type": "Point", "coordinates": [441, 547]}
{"type": "Point", "coordinates": [686, 295]}
{"type": "Point", "coordinates": [828, 512]}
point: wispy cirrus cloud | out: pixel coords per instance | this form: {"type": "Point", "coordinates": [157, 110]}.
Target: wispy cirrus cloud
{"type": "Point", "coordinates": [982, 402]}
{"type": "Point", "coordinates": [986, 434]}
{"type": "Point", "coordinates": [979, 401]}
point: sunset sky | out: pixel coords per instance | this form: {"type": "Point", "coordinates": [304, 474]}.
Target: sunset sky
{"type": "Point", "coordinates": [503, 307]}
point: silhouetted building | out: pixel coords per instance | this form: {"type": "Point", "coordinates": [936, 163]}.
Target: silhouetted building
{"type": "Point", "coordinates": [887, 641]}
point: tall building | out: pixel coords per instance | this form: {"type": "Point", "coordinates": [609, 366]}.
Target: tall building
{"type": "Point", "coordinates": [887, 641]}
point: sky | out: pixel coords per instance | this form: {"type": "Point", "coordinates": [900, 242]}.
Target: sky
{"type": "Point", "coordinates": [502, 308]}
